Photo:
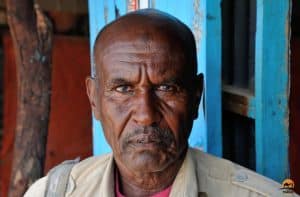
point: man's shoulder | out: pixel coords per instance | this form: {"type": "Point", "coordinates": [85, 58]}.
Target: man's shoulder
{"type": "Point", "coordinates": [88, 165]}
{"type": "Point", "coordinates": [91, 168]}
{"type": "Point", "coordinates": [80, 172]}
{"type": "Point", "coordinates": [38, 188]}
{"type": "Point", "coordinates": [237, 177]}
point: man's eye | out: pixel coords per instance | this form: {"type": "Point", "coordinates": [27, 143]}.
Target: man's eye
{"type": "Point", "coordinates": [124, 89]}
{"type": "Point", "coordinates": [166, 88]}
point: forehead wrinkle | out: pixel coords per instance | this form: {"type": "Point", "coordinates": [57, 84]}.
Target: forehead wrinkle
{"type": "Point", "coordinates": [158, 66]}
{"type": "Point", "coordinates": [153, 66]}
{"type": "Point", "coordinates": [129, 49]}
{"type": "Point", "coordinates": [155, 57]}
{"type": "Point", "coordinates": [145, 42]}
{"type": "Point", "coordinates": [117, 71]}
{"type": "Point", "coordinates": [162, 55]}
{"type": "Point", "coordinates": [133, 47]}
{"type": "Point", "coordinates": [132, 72]}
{"type": "Point", "coordinates": [124, 57]}
{"type": "Point", "coordinates": [146, 60]}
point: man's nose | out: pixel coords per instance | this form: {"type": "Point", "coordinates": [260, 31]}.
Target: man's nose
{"type": "Point", "coordinates": [146, 109]}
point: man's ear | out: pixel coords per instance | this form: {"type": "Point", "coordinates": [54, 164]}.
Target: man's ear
{"type": "Point", "coordinates": [91, 91]}
{"type": "Point", "coordinates": [198, 93]}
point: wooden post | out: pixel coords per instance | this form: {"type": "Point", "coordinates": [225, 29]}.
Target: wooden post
{"type": "Point", "coordinates": [32, 37]}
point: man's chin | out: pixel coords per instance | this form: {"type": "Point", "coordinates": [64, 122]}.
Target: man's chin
{"type": "Point", "coordinates": [148, 161]}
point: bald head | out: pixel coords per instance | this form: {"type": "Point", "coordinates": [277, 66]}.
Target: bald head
{"type": "Point", "coordinates": [151, 29]}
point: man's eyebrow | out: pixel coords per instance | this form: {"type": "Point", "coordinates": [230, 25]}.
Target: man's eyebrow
{"type": "Point", "coordinates": [117, 81]}
{"type": "Point", "coordinates": [173, 80]}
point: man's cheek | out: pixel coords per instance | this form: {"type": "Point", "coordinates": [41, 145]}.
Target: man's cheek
{"type": "Point", "coordinates": [115, 115]}
{"type": "Point", "coordinates": [176, 120]}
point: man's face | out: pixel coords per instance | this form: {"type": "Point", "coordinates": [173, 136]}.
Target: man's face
{"type": "Point", "coordinates": [145, 102]}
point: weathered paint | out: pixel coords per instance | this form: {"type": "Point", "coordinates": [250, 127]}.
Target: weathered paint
{"type": "Point", "coordinates": [239, 100]}
{"type": "Point", "coordinates": [213, 76]}
{"type": "Point", "coordinates": [272, 88]}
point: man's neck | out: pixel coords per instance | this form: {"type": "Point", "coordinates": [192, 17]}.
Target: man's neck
{"type": "Point", "coordinates": [146, 184]}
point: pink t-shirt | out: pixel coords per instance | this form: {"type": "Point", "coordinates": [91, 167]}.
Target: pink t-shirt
{"type": "Point", "coordinates": [164, 193]}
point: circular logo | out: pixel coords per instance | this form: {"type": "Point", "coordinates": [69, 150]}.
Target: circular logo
{"type": "Point", "coordinates": [288, 186]}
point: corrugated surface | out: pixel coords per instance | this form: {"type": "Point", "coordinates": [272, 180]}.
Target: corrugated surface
{"type": "Point", "coordinates": [69, 134]}
{"type": "Point", "coordinates": [10, 111]}
{"type": "Point", "coordinates": [70, 129]}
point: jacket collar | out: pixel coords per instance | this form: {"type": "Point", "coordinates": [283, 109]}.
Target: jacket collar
{"type": "Point", "coordinates": [185, 183]}
{"type": "Point", "coordinates": [107, 187]}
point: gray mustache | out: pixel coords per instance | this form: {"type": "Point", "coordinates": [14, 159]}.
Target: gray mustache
{"type": "Point", "coordinates": [153, 133]}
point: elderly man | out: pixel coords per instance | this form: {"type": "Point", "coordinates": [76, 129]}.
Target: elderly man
{"type": "Point", "coordinates": [146, 93]}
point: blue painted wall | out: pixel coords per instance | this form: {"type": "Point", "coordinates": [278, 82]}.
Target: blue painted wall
{"type": "Point", "coordinates": [272, 88]}
{"type": "Point", "coordinates": [214, 77]}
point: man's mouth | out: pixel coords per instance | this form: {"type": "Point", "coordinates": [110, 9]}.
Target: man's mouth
{"type": "Point", "coordinates": [150, 137]}
{"type": "Point", "coordinates": [145, 139]}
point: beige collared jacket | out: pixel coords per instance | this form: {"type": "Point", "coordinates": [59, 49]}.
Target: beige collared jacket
{"type": "Point", "coordinates": [200, 175]}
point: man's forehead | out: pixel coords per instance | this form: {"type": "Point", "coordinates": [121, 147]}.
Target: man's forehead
{"type": "Point", "coordinates": [145, 25]}
{"type": "Point", "coordinates": [136, 46]}
{"type": "Point", "coordinates": [133, 73]}
{"type": "Point", "coordinates": [150, 33]}
{"type": "Point", "coordinates": [143, 40]}
{"type": "Point", "coordinates": [157, 54]}
{"type": "Point", "coordinates": [120, 71]}
{"type": "Point", "coordinates": [158, 61]}
{"type": "Point", "coordinates": [144, 19]}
